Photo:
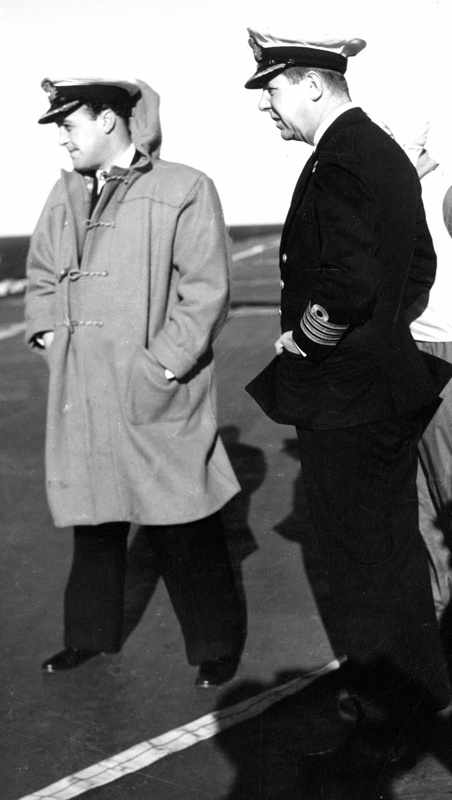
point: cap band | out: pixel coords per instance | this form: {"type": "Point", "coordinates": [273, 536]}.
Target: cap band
{"type": "Point", "coordinates": [273, 60]}
{"type": "Point", "coordinates": [93, 91]}
{"type": "Point", "coordinates": [302, 57]}
{"type": "Point", "coordinates": [66, 99]}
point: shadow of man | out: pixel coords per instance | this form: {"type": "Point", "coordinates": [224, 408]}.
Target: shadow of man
{"type": "Point", "coordinates": [268, 750]}
{"type": "Point", "coordinates": [271, 752]}
{"type": "Point", "coordinates": [143, 567]}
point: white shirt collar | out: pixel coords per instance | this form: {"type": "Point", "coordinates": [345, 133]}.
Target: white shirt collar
{"type": "Point", "coordinates": [123, 161]}
{"type": "Point", "coordinates": [330, 119]}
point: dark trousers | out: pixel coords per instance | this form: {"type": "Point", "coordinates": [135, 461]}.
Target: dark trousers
{"type": "Point", "coordinates": [194, 562]}
{"type": "Point", "coordinates": [361, 492]}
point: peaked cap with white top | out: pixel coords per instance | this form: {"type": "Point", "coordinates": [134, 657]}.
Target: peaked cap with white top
{"type": "Point", "coordinates": [275, 54]}
{"type": "Point", "coordinates": [68, 94]}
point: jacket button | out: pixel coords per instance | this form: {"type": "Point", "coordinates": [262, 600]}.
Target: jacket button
{"type": "Point", "coordinates": [284, 258]}
{"type": "Point", "coordinates": [281, 284]}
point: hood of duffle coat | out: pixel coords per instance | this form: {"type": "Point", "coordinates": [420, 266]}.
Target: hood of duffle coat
{"type": "Point", "coordinates": [144, 122]}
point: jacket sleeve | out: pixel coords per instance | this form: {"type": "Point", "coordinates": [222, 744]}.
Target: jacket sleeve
{"type": "Point", "coordinates": [39, 301]}
{"type": "Point", "coordinates": [201, 257]}
{"type": "Point", "coordinates": [349, 270]}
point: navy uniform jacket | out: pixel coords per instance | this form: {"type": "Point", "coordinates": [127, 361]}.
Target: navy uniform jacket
{"type": "Point", "coordinates": [355, 253]}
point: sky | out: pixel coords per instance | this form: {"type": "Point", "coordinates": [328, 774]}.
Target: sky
{"type": "Point", "coordinates": [195, 54]}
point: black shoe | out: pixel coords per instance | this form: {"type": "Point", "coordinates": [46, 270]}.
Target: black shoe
{"type": "Point", "coordinates": [68, 658]}
{"type": "Point", "coordinates": [214, 673]}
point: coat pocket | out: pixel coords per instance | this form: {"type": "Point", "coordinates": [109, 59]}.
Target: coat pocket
{"type": "Point", "coordinates": [150, 396]}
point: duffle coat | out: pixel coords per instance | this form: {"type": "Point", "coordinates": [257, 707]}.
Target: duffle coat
{"type": "Point", "coordinates": [140, 286]}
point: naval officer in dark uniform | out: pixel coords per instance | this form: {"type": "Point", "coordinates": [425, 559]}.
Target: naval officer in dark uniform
{"type": "Point", "coordinates": [355, 254]}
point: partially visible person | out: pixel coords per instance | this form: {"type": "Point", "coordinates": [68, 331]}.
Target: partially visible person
{"type": "Point", "coordinates": [128, 288]}
{"type": "Point", "coordinates": [431, 153]}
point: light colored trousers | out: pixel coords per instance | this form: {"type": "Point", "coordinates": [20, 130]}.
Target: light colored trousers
{"type": "Point", "coordinates": [434, 483]}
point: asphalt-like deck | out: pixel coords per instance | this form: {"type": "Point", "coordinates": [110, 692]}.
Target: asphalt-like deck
{"type": "Point", "coordinates": [243, 742]}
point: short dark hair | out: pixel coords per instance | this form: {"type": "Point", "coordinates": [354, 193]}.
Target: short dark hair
{"type": "Point", "coordinates": [122, 108]}
{"type": "Point", "coordinates": [335, 81]}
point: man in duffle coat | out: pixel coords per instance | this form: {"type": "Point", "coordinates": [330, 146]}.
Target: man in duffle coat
{"type": "Point", "coordinates": [355, 253]}
{"type": "Point", "coordinates": [128, 288]}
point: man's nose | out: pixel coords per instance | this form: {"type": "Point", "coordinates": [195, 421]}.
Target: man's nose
{"type": "Point", "coordinates": [63, 138]}
{"type": "Point", "coordinates": [264, 103]}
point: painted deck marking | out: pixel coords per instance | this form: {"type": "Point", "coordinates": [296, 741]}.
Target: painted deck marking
{"type": "Point", "coordinates": [148, 752]}
{"type": "Point", "coordinates": [255, 250]}
{"type": "Point", "coordinates": [12, 330]}
{"type": "Point", "coordinates": [253, 311]}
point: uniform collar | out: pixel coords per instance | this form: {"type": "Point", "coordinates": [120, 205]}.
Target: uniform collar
{"type": "Point", "coordinates": [323, 127]}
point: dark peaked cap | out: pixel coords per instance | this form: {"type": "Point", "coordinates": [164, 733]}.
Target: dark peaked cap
{"type": "Point", "coordinates": [274, 54]}
{"type": "Point", "coordinates": [69, 94]}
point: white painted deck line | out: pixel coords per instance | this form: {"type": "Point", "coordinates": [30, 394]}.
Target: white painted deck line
{"type": "Point", "coordinates": [255, 250]}
{"type": "Point", "coordinates": [253, 311]}
{"type": "Point", "coordinates": [12, 330]}
{"type": "Point", "coordinates": [146, 753]}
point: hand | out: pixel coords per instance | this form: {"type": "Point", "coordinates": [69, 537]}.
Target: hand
{"type": "Point", "coordinates": [286, 342]}
{"type": "Point", "coordinates": [48, 338]}
{"type": "Point", "coordinates": [170, 376]}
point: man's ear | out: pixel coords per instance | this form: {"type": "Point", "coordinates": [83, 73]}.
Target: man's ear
{"type": "Point", "coordinates": [315, 85]}
{"type": "Point", "coordinates": [108, 120]}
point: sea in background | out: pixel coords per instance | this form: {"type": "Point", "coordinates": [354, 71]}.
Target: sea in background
{"type": "Point", "coordinates": [13, 254]}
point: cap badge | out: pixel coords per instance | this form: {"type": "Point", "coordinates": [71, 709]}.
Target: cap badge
{"type": "Point", "coordinates": [257, 50]}
{"type": "Point", "coordinates": [51, 90]}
